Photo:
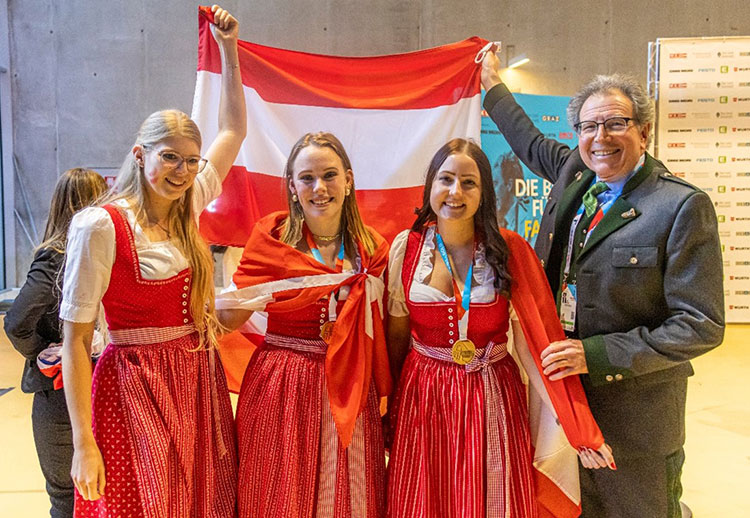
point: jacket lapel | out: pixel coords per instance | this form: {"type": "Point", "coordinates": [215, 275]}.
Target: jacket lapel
{"type": "Point", "coordinates": [622, 211]}
{"type": "Point", "coordinates": [571, 200]}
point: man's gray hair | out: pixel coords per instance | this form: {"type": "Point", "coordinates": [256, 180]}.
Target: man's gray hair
{"type": "Point", "coordinates": [643, 107]}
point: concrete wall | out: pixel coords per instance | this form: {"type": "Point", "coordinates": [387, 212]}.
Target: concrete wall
{"type": "Point", "coordinates": [85, 73]}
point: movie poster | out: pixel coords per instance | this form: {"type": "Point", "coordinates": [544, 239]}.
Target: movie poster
{"type": "Point", "coordinates": [521, 195]}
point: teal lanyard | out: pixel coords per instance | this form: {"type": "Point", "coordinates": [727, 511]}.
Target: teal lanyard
{"type": "Point", "coordinates": [318, 257]}
{"type": "Point", "coordinates": [464, 300]}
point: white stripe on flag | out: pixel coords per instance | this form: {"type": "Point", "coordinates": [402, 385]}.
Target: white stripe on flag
{"type": "Point", "coordinates": [388, 148]}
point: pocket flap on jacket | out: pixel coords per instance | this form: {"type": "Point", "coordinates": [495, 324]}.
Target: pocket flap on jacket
{"type": "Point", "coordinates": [635, 256]}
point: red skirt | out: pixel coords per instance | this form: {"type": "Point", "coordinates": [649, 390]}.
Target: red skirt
{"type": "Point", "coordinates": [155, 424]}
{"type": "Point", "coordinates": [292, 463]}
{"type": "Point", "coordinates": [438, 462]}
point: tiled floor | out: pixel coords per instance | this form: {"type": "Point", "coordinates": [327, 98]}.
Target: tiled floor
{"type": "Point", "coordinates": [716, 476]}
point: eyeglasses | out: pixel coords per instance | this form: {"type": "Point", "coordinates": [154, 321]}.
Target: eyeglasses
{"type": "Point", "coordinates": [613, 126]}
{"type": "Point", "coordinates": [172, 159]}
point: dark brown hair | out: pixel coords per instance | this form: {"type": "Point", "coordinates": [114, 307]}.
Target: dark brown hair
{"type": "Point", "coordinates": [485, 219]}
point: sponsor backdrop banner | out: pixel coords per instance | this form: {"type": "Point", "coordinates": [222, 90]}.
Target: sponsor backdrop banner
{"type": "Point", "coordinates": [703, 136]}
{"type": "Point", "coordinates": [521, 195]}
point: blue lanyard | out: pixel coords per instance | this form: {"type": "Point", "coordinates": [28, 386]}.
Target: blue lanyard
{"type": "Point", "coordinates": [318, 257]}
{"type": "Point", "coordinates": [465, 299]}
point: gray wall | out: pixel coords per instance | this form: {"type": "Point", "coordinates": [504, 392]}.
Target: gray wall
{"type": "Point", "coordinates": [85, 73]}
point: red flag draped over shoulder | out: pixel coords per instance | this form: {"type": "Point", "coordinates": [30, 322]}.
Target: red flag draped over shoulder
{"type": "Point", "coordinates": [557, 492]}
{"type": "Point", "coordinates": [276, 278]}
{"type": "Point", "coordinates": [390, 112]}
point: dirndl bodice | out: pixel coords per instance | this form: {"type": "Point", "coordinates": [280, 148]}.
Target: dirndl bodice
{"type": "Point", "coordinates": [435, 324]}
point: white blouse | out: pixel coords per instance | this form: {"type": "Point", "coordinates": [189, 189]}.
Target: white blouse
{"type": "Point", "coordinates": [483, 289]}
{"type": "Point", "coordinates": [90, 252]}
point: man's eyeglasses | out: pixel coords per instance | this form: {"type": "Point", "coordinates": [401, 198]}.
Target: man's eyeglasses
{"type": "Point", "coordinates": [613, 126]}
{"type": "Point", "coordinates": [193, 164]}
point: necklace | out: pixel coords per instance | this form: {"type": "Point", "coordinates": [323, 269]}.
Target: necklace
{"type": "Point", "coordinates": [160, 225]}
{"type": "Point", "coordinates": [166, 230]}
{"type": "Point", "coordinates": [326, 239]}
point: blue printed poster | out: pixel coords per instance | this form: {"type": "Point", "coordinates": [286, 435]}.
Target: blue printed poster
{"type": "Point", "coordinates": [521, 195]}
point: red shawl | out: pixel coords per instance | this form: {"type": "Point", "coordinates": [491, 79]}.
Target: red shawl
{"type": "Point", "coordinates": [353, 358]}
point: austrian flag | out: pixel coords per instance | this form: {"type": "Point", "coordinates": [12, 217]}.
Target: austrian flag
{"type": "Point", "coordinates": [392, 113]}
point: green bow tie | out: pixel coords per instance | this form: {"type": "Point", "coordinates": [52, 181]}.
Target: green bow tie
{"type": "Point", "coordinates": [589, 199]}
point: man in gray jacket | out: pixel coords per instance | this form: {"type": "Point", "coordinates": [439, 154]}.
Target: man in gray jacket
{"type": "Point", "coordinates": [632, 254]}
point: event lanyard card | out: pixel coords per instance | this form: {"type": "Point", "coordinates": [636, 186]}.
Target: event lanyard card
{"type": "Point", "coordinates": [568, 307]}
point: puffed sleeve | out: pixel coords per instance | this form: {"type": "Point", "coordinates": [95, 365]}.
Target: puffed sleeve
{"type": "Point", "coordinates": [90, 254]}
{"type": "Point", "coordinates": [396, 298]}
{"type": "Point", "coordinates": [207, 188]}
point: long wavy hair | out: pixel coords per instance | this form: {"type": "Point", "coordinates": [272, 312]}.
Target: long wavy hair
{"type": "Point", "coordinates": [353, 230]}
{"type": "Point", "coordinates": [485, 219]}
{"type": "Point", "coordinates": [75, 189]}
{"type": "Point", "coordinates": [131, 186]}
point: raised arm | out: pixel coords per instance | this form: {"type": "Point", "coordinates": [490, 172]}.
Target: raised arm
{"type": "Point", "coordinates": [232, 113]}
{"type": "Point", "coordinates": [545, 157]}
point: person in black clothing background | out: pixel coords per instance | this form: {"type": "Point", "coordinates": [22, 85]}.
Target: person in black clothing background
{"type": "Point", "coordinates": [32, 325]}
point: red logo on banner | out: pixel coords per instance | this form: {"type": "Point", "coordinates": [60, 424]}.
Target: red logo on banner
{"type": "Point", "coordinates": [677, 85]}
{"type": "Point", "coordinates": [678, 55]}
{"type": "Point", "coordinates": [565, 135]}
{"type": "Point", "coordinates": [676, 144]}
{"type": "Point", "coordinates": [679, 115]}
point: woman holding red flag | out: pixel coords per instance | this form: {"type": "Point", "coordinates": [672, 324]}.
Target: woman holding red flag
{"type": "Point", "coordinates": [152, 427]}
{"type": "Point", "coordinates": [308, 422]}
{"type": "Point", "coordinates": [459, 289]}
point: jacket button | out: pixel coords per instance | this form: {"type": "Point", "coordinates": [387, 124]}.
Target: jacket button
{"type": "Point", "coordinates": [609, 377]}
{"type": "Point", "coordinates": [618, 377]}
{"type": "Point", "coordinates": [633, 260]}
{"type": "Point", "coordinates": [542, 261]}
{"type": "Point", "coordinates": [550, 236]}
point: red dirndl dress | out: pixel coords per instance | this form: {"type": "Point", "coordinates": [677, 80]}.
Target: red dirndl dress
{"type": "Point", "coordinates": [161, 411]}
{"type": "Point", "coordinates": [446, 420]}
{"type": "Point", "coordinates": [292, 463]}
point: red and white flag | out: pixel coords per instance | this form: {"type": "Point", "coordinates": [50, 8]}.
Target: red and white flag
{"type": "Point", "coordinates": [392, 113]}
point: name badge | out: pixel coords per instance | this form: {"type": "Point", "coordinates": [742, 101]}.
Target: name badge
{"type": "Point", "coordinates": [568, 307]}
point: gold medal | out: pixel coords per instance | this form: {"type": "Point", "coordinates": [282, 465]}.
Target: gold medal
{"type": "Point", "coordinates": [463, 351]}
{"type": "Point", "coordinates": [326, 332]}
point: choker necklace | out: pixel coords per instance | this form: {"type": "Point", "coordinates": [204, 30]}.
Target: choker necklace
{"type": "Point", "coordinates": [326, 239]}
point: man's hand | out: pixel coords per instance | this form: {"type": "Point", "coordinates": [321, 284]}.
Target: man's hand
{"type": "Point", "coordinates": [564, 358]}
{"type": "Point", "coordinates": [490, 69]}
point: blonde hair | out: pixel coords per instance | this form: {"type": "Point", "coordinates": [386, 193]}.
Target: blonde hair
{"type": "Point", "coordinates": [353, 230]}
{"type": "Point", "coordinates": [75, 189]}
{"type": "Point", "coordinates": [131, 186]}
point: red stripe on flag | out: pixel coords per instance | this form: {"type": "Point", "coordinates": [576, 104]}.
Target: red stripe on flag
{"type": "Point", "coordinates": [229, 222]}
{"type": "Point", "coordinates": [424, 79]}
{"type": "Point", "coordinates": [236, 350]}
{"type": "Point", "coordinates": [552, 502]}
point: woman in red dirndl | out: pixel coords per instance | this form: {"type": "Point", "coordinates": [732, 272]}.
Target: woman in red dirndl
{"type": "Point", "coordinates": [462, 442]}
{"type": "Point", "coordinates": [152, 427]}
{"type": "Point", "coordinates": [308, 423]}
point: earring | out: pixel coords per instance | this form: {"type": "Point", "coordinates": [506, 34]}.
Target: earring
{"type": "Point", "coordinates": [294, 198]}
{"type": "Point", "coordinates": [348, 191]}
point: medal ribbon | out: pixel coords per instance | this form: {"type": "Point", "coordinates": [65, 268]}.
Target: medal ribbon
{"type": "Point", "coordinates": [339, 267]}
{"type": "Point", "coordinates": [463, 300]}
